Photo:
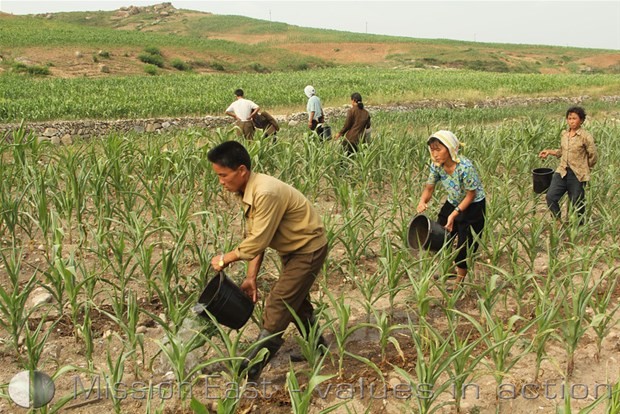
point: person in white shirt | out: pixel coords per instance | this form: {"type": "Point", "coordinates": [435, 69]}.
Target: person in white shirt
{"type": "Point", "coordinates": [243, 110]}
{"type": "Point", "coordinates": [316, 118]}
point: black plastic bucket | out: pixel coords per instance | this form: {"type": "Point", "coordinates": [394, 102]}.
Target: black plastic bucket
{"type": "Point", "coordinates": [541, 177]}
{"type": "Point", "coordinates": [226, 302]}
{"type": "Point", "coordinates": [425, 233]}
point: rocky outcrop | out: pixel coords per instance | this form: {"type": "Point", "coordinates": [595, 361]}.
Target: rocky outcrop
{"type": "Point", "coordinates": [67, 132]}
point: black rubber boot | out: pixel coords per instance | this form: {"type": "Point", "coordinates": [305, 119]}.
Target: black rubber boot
{"type": "Point", "coordinates": [272, 345]}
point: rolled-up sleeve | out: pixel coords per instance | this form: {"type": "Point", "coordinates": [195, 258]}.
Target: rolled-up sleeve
{"type": "Point", "coordinates": [267, 212]}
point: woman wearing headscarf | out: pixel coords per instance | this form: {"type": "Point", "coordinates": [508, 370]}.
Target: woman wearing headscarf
{"type": "Point", "coordinates": [316, 117]}
{"type": "Point", "coordinates": [463, 213]}
{"type": "Point", "coordinates": [355, 125]}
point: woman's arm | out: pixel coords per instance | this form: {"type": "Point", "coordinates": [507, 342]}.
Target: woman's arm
{"type": "Point", "coordinates": [425, 198]}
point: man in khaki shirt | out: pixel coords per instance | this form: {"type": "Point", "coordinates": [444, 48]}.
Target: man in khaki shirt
{"type": "Point", "coordinates": [578, 155]}
{"type": "Point", "coordinates": [277, 216]}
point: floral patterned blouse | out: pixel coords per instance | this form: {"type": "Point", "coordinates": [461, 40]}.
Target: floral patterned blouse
{"type": "Point", "coordinates": [464, 178]}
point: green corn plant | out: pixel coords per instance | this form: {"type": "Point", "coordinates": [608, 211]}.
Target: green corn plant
{"type": "Point", "coordinates": [390, 265]}
{"type": "Point", "coordinates": [11, 213]}
{"type": "Point", "coordinates": [613, 405]}
{"type": "Point", "coordinates": [372, 288]}
{"type": "Point", "coordinates": [494, 288]}
{"type": "Point", "coordinates": [309, 340]}
{"type": "Point", "coordinates": [301, 397]}
{"type": "Point", "coordinates": [22, 141]}
{"type": "Point", "coordinates": [60, 403]}
{"type": "Point", "coordinates": [41, 216]}
{"type": "Point", "coordinates": [503, 339]}
{"type": "Point", "coordinates": [356, 237]}
{"type": "Point", "coordinates": [340, 328]}
{"type": "Point", "coordinates": [123, 268]}
{"type": "Point", "coordinates": [421, 282]}
{"type": "Point", "coordinates": [464, 364]}
{"type": "Point", "coordinates": [434, 358]}
{"type": "Point", "coordinates": [34, 342]}
{"type": "Point", "coordinates": [547, 322]}
{"type": "Point", "coordinates": [13, 297]}
{"type": "Point", "coordinates": [116, 371]}
{"type": "Point", "coordinates": [229, 353]}
{"type": "Point", "coordinates": [604, 310]}
{"type": "Point", "coordinates": [386, 334]}
{"type": "Point", "coordinates": [177, 350]}
{"type": "Point", "coordinates": [85, 332]}
{"type": "Point", "coordinates": [77, 176]}
{"type": "Point", "coordinates": [574, 313]}
{"type": "Point", "coordinates": [126, 317]}
{"type": "Point", "coordinates": [62, 280]}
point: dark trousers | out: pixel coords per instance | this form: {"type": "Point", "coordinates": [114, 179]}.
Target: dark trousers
{"type": "Point", "coordinates": [466, 224]}
{"type": "Point", "coordinates": [576, 193]}
{"type": "Point", "coordinates": [293, 288]}
{"type": "Point", "coordinates": [317, 125]}
{"type": "Point", "coordinates": [349, 147]}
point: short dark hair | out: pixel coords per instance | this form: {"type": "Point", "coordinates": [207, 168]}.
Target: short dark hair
{"type": "Point", "coordinates": [230, 154]}
{"type": "Point", "coordinates": [238, 92]}
{"type": "Point", "coordinates": [577, 110]}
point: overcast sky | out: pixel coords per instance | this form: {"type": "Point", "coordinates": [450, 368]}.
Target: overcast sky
{"type": "Point", "coordinates": [594, 24]}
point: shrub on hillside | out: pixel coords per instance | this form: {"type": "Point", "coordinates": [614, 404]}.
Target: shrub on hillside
{"type": "Point", "coordinates": [31, 69]}
{"type": "Point", "coordinates": [152, 50]}
{"type": "Point", "coordinates": [218, 66]}
{"type": "Point", "coordinates": [180, 65]}
{"type": "Point", "coordinates": [257, 67]}
{"type": "Point", "coordinates": [151, 59]}
{"type": "Point", "coordinates": [151, 69]}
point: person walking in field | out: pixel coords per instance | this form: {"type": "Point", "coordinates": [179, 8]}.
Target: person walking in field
{"type": "Point", "coordinates": [463, 213]}
{"type": "Point", "coordinates": [316, 117]}
{"type": "Point", "coordinates": [277, 216]}
{"type": "Point", "coordinates": [263, 120]}
{"type": "Point", "coordinates": [243, 110]}
{"type": "Point", "coordinates": [355, 125]}
{"type": "Point", "coordinates": [578, 155]}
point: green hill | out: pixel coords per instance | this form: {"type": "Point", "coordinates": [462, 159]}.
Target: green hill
{"type": "Point", "coordinates": [100, 43]}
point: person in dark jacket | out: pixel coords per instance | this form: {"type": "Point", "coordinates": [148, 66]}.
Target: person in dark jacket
{"type": "Point", "coordinates": [355, 125]}
{"type": "Point", "coordinates": [263, 120]}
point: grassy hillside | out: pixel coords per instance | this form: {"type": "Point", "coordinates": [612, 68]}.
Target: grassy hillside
{"type": "Point", "coordinates": [95, 44]}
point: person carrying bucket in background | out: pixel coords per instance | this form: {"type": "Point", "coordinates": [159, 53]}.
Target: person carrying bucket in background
{"type": "Point", "coordinates": [316, 117]}
{"type": "Point", "coordinates": [463, 213]}
{"type": "Point", "coordinates": [277, 216]}
{"type": "Point", "coordinates": [578, 155]}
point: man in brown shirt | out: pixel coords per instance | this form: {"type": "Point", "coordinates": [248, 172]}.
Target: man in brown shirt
{"type": "Point", "coordinates": [277, 216]}
{"type": "Point", "coordinates": [578, 156]}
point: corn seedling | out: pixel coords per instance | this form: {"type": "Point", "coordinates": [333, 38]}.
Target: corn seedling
{"type": "Point", "coordinates": [301, 397]}
{"type": "Point", "coordinates": [386, 330]}
{"type": "Point", "coordinates": [13, 298]}
{"type": "Point", "coordinates": [308, 342]}
{"type": "Point", "coordinates": [503, 339]}
{"type": "Point", "coordinates": [604, 311]}
{"type": "Point", "coordinates": [574, 311]}
{"type": "Point", "coordinates": [434, 358]}
{"type": "Point", "coordinates": [342, 331]}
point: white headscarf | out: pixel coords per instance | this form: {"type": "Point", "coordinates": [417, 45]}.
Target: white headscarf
{"type": "Point", "coordinates": [309, 91]}
{"type": "Point", "coordinates": [451, 142]}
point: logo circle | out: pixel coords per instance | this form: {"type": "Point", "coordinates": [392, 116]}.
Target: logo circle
{"type": "Point", "coordinates": [31, 389]}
